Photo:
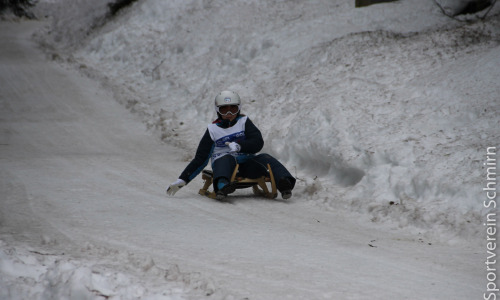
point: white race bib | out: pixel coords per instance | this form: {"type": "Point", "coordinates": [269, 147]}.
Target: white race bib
{"type": "Point", "coordinates": [221, 136]}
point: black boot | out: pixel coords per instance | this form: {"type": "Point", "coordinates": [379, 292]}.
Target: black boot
{"type": "Point", "coordinates": [224, 191]}
{"type": "Point", "coordinates": [285, 187]}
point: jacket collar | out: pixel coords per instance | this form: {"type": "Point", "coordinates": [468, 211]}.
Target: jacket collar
{"type": "Point", "coordinates": [226, 123]}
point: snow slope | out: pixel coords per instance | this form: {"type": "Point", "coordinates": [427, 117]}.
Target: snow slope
{"type": "Point", "coordinates": [390, 104]}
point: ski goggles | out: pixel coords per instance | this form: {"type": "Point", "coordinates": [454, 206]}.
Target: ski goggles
{"type": "Point", "coordinates": [228, 109]}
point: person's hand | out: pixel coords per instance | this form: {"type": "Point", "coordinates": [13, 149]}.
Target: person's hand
{"type": "Point", "coordinates": [234, 147]}
{"type": "Point", "coordinates": [175, 186]}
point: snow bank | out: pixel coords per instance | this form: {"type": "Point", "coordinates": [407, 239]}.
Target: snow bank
{"type": "Point", "coordinates": [32, 274]}
{"type": "Point", "coordinates": [385, 110]}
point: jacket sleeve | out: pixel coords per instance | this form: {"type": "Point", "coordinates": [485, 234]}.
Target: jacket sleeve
{"type": "Point", "coordinates": [200, 160]}
{"type": "Point", "coordinates": [253, 141]}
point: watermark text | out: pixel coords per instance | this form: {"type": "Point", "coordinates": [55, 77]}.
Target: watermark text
{"type": "Point", "coordinates": [490, 224]}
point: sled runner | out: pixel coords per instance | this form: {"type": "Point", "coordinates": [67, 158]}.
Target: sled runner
{"type": "Point", "coordinates": [259, 185]}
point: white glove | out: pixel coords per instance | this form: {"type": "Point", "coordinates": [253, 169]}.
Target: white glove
{"type": "Point", "coordinates": [174, 187]}
{"type": "Point", "coordinates": [234, 147]}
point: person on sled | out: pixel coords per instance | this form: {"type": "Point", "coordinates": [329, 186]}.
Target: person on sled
{"type": "Point", "coordinates": [233, 139]}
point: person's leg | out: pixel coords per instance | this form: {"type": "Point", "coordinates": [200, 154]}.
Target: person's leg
{"type": "Point", "coordinates": [257, 167]}
{"type": "Point", "coordinates": [223, 170]}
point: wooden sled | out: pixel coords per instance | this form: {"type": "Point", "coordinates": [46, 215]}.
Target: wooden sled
{"type": "Point", "coordinates": [259, 185]}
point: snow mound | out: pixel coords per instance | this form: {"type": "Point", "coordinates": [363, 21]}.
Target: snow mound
{"type": "Point", "coordinates": [33, 274]}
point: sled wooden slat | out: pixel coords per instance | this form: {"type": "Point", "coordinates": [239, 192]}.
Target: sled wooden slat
{"type": "Point", "coordinates": [258, 185]}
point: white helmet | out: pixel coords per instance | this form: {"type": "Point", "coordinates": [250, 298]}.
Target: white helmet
{"type": "Point", "coordinates": [226, 98]}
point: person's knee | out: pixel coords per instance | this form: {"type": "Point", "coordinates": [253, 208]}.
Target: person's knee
{"type": "Point", "coordinates": [226, 159]}
{"type": "Point", "coordinates": [264, 157]}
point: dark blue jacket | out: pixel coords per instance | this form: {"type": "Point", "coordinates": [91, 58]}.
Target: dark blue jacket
{"type": "Point", "coordinates": [252, 144]}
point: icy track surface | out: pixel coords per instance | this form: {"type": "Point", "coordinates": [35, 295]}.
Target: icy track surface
{"type": "Point", "coordinates": [84, 214]}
